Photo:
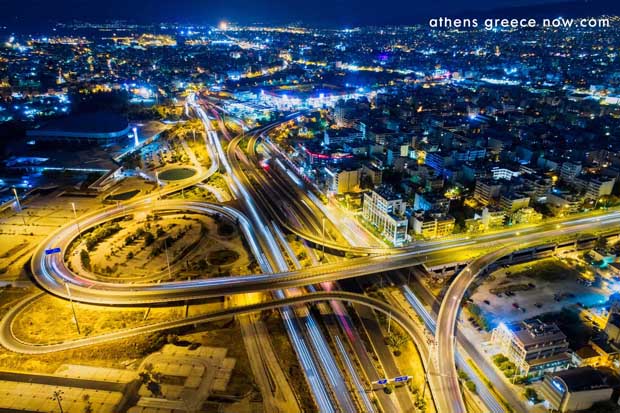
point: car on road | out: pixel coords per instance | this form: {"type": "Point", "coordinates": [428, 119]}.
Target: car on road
{"type": "Point", "coordinates": [515, 305]}
{"type": "Point", "coordinates": [487, 302]}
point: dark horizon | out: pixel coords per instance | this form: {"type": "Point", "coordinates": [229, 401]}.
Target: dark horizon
{"type": "Point", "coordinates": [38, 14]}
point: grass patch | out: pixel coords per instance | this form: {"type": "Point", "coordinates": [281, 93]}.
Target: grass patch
{"type": "Point", "coordinates": [50, 320]}
{"type": "Point", "coordinates": [225, 229]}
{"type": "Point", "coordinates": [123, 196]}
{"type": "Point", "coordinates": [177, 174]}
{"type": "Point", "coordinates": [222, 257]}
{"type": "Point", "coordinates": [549, 270]}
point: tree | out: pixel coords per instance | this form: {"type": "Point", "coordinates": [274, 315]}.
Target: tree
{"type": "Point", "coordinates": [152, 380]}
{"type": "Point", "coordinates": [397, 340]}
{"type": "Point", "coordinates": [88, 405]}
{"type": "Point", "coordinates": [149, 238]}
{"type": "Point", "coordinates": [530, 394]}
{"type": "Point", "coordinates": [601, 243]}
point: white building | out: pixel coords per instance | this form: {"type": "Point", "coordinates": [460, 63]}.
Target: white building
{"type": "Point", "coordinates": [385, 210]}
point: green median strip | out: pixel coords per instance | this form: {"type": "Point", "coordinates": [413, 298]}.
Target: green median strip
{"type": "Point", "coordinates": [490, 386]}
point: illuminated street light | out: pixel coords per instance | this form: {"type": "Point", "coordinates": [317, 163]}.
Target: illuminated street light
{"type": "Point", "coordinates": [77, 325]}
{"type": "Point", "coordinates": [77, 222]}
{"type": "Point", "coordinates": [323, 245]}
{"type": "Point", "coordinates": [167, 259]}
{"type": "Point", "coordinates": [19, 205]}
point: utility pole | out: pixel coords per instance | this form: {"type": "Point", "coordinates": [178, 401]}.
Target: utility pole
{"type": "Point", "coordinates": [19, 205]}
{"type": "Point", "coordinates": [323, 245]}
{"type": "Point", "coordinates": [57, 395]}
{"type": "Point", "coordinates": [389, 323]}
{"type": "Point", "coordinates": [76, 220]}
{"type": "Point", "coordinates": [157, 182]}
{"type": "Point", "coordinates": [75, 319]}
{"type": "Point", "coordinates": [167, 259]}
{"type": "Point", "coordinates": [427, 372]}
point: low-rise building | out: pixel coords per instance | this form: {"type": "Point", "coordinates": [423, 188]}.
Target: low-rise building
{"type": "Point", "coordinates": [433, 225]}
{"type": "Point", "coordinates": [342, 181]}
{"type": "Point", "coordinates": [597, 353]}
{"type": "Point", "coordinates": [493, 217]}
{"type": "Point", "coordinates": [563, 202]}
{"type": "Point", "coordinates": [526, 216]}
{"type": "Point", "coordinates": [487, 190]}
{"type": "Point", "coordinates": [576, 389]}
{"type": "Point", "coordinates": [599, 187]}
{"type": "Point", "coordinates": [513, 201]}
{"type": "Point", "coordinates": [535, 347]}
{"type": "Point", "coordinates": [99, 128]}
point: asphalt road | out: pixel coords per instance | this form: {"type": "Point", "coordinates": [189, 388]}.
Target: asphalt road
{"type": "Point", "coordinates": [52, 274]}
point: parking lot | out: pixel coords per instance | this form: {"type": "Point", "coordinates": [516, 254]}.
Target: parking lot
{"type": "Point", "coordinates": [548, 286]}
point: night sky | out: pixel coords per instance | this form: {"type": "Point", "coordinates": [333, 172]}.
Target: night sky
{"type": "Point", "coordinates": [318, 12]}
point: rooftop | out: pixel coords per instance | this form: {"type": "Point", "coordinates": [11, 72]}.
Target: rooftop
{"type": "Point", "coordinates": [97, 122]}
{"type": "Point", "coordinates": [584, 379]}
{"type": "Point", "coordinates": [532, 332]}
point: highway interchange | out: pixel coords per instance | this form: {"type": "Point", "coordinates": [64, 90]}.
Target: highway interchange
{"type": "Point", "coordinates": [260, 223]}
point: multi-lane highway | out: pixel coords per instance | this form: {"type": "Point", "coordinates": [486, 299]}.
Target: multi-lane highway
{"type": "Point", "coordinates": [52, 274]}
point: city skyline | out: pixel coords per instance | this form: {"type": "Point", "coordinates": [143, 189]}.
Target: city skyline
{"type": "Point", "coordinates": [343, 13]}
{"type": "Point", "coordinates": [332, 217]}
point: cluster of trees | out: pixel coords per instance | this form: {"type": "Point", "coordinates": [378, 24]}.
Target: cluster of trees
{"type": "Point", "coordinates": [152, 380]}
{"type": "Point", "coordinates": [85, 258]}
{"type": "Point", "coordinates": [101, 233]}
{"type": "Point", "coordinates": [505, 365]}
{"type": "Point", "coordinates": [471, 386]}
{"type": "Point", "coordinates": [531, 395]}
{"type": "Point", "coordinates": [479, 318]}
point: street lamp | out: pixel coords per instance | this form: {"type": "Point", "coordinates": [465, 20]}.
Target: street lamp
{"type": "Point", "coordinates": [77, 222]}
{"type": "Point", "coordinates": [158, 185]}
{"type": "Point", "coordinates": [323, 230]}
{"type": "Point", "coordinates": [167, 259]}
{"type": "Point", "coordinates": [77, 325]}
{"type": "Point", "coordinates": [19, 205]}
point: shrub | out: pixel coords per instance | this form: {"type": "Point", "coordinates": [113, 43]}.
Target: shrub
{"type": "Point", "coordinates": [85, 258]}
{"type": "Point", "coordinates": [149, 238]}
{"type": "Point", "coordinates": [531, 394]}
